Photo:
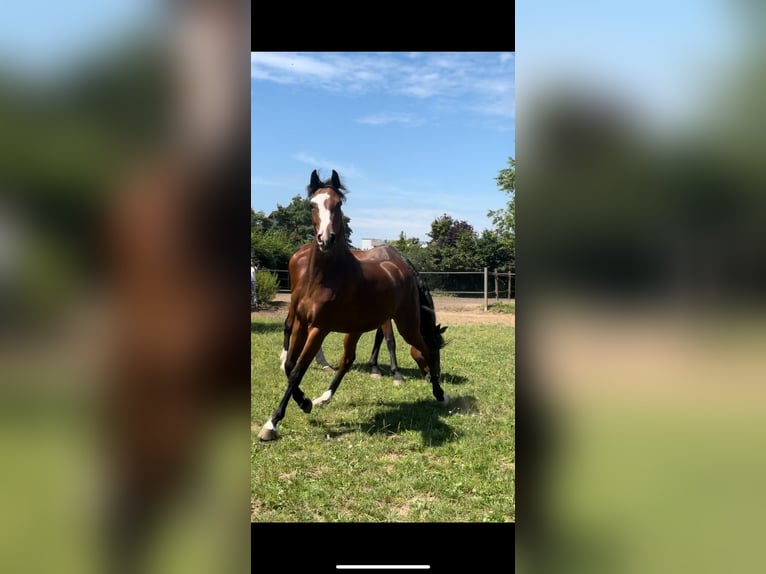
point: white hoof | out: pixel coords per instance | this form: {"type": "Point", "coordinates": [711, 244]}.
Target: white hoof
{"type": "Point", "coordinates": [268, 432]}
{"type": "Point", "coordinates": [322, 400]}
{"type": "Point", "coordinates": [444, 401]}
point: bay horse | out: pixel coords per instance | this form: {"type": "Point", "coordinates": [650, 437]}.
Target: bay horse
{"type": "Point", "coordinates": [300, 260]}
{"type": "Point", "coordinates": [343, 293]}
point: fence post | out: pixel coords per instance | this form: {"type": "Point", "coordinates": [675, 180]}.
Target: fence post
{"type": "Point", "coordinates": [509, 284]}
{"type": "Point", "coordinates": [486, 296]}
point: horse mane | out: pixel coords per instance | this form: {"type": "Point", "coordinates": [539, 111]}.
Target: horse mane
{"type": "Point", "coordinates": [333, 182]}
{"type": "Point", "coordinates": [431, 331]}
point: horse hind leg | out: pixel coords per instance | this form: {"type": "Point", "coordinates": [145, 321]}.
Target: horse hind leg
{"type": "Point", "coordinates": [391, 344]}
{"type": "Point", "coordinates": [374, 370]}
{"type": "Point", "coordinates": [322, 361]}
{"type": "Point", "coordinates": [349, 355]}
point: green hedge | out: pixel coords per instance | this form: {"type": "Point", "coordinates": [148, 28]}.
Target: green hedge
{"type": "Point", "coordinates": [266, 285]}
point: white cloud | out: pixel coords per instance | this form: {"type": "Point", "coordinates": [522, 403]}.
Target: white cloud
{"type": "Point", "coordinates": [384, 118]}
{"type": "Point", "coordinates": [324, 165]}
{"type": "Point", "coordinates": [456, 82]}
{"type": "Point", "coordinates": [289, 68]}
{"type": "Point", "coordinates": [263, 181]}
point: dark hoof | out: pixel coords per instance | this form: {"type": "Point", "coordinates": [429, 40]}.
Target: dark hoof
{"type": "Point", "coordinates": [398, 379]}
{"type": "Point", "coordinates": [375, 373]}
{"type": "Point", "coordinates": [307, 405]}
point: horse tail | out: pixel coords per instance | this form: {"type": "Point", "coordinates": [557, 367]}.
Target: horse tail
{"type": "Point", "coordinates": [429, 329]}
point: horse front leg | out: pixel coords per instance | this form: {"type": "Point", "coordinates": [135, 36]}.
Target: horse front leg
{"type": "Point", "coordinates": [286, 332]}
{"type": "Point", "coordinates": [306, 344]}
{"type": "Point", "coordinates": [349, 355]}
{"type": "Point", "coordinates": [431, 368]}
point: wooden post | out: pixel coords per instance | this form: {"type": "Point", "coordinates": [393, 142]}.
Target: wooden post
{"type": "Point", "coordinates": [486, 304]}
{"type": "Point", "coordinates": [509, 284]}
{"type": "Point", "coordinates": [497, 286]}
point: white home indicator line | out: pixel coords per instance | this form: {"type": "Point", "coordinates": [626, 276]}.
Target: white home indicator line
{"type": "Point", "coordinates": [383, 567]}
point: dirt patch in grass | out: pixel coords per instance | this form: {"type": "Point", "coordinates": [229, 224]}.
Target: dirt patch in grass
{"type": "Point", "coordinates": [449, 311]}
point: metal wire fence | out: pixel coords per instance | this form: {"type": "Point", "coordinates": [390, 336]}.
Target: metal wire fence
{"type": "Point", "coordinates": [486, 283]}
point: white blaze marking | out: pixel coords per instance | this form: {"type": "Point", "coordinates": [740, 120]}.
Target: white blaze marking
{"type": "Point", "coordinates": [325, 225]}
{"type": "Point", "coordinates": [283, 359]}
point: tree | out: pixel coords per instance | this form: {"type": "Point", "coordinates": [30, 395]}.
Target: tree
{"type": "Point", "coordinates": [295, 220]}
{"type": "Point", "coordinates": [446, 231]}
{"type": "Point", "coordinates": [413, 250]}
{"type": "Point", "coordinates": [504, 219]}
{"type": "Point", "coordinates": [503, 253]}
{"type": "Point", "coordinates": [453, 244]}
{"type": "Point", "coordinates": [494, 252]}
{"type": "Point", "coordinates": [271, 249]}
{"type": "Point", "coordinates": [258, 220]}
{"type": "Point", "coordinates": [275, 237]}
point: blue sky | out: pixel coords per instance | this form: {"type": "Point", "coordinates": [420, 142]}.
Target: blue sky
{"type": "Point", "coordinates": [412, 135]}
{"type": "Point", "coordinates": [45, 38]}
{"type": "Point", "coordinates": [664, 59]}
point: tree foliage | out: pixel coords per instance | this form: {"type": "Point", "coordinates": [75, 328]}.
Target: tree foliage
{"type": "Point", "coordinates": [275, 237]}
{"type": "Point", "coordinates": [504, 219]}
{"type": "Point", "coordinates": [453, 245]}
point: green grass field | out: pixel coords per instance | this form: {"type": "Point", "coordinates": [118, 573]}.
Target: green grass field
{"type": "Point", "coordinates": [380, 453]}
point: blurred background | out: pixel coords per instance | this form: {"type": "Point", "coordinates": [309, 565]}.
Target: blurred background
{"type": "Point", "coordinates": [642, 302]}
{"type": "Point", "coordinates": [124, 347]}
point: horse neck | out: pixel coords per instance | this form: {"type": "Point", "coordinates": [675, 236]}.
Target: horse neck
{"type": "Point", "coordinates": [321, 263]}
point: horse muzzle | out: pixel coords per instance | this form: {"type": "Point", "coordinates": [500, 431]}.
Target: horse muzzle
{"type": "Point", "coordinates": [325, 244]}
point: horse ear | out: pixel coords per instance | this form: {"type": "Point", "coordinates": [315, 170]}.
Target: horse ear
{"type": "Point", "coordinates": [442, 329]}
{"type": "Point", "coordinates": [335, 180]}
{"type": "Point", "coordinates": [314, 184]}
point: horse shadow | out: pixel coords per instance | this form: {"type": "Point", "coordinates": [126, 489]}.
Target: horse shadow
{"type": "Point", "coordinates": [264, 328]}
{"type": "Point", "coordinates": [410, 373]}
{"type": "Point", "coordinates": [424, 416]}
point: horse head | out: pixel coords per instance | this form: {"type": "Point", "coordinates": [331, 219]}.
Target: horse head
{"type": "Point", "coordinates": [326, 198]}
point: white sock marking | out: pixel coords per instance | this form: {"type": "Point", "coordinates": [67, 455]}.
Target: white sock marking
{"type": "Point", "coordinates": [323, 399]}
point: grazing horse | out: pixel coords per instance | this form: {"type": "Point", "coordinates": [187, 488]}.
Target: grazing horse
{"type": "Point", "coordinates": [300, 261]}
{"type": "Point", "coordinates": [340, 292]}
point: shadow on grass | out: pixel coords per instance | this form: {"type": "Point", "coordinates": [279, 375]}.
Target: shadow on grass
{"type": "Point", "coordinates": [409, 374]}
{"type": "Point", "coordinates": [272, 306]}
{"type": "Point", "coordinates": [423, 416]}
{"type": "Point", "coordinates": [262, 328]}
